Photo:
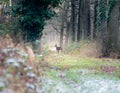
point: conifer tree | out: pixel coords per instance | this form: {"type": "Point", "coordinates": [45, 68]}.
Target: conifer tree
{"type": "Point", "coordinates": [32, 15]}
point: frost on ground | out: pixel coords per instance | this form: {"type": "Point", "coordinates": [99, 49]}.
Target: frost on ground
{"type": "Point", "coordinates": [16, 73]}
{"type": "Point", "coordinates": [85, 84]}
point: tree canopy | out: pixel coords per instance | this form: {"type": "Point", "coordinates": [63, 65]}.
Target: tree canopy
{"type": "Point", "coordinates": [32, 15]}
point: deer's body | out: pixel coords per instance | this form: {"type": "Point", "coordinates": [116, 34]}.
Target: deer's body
{"type": "Point", "coordinates": [58, 48]}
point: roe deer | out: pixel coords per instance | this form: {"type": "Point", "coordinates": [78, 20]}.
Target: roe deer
{"type": "Point", "coordinates": [58, 48]}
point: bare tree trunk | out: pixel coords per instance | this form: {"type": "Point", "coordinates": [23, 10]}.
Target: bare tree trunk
{"type": "Point", "coordinates": [92, 16]}
{"type": "Point", "coordinates": [67, 21]}
{"type": "Point", "coordinates": [79, 34]}
{"type": "Point", "coordinates": [119, 28]}
{"type": "Point", "coordinates": [104, 34]}
{"type": "Point", "coordinates": [74, 19]}
{"type": "Point", "coordinates": [62, 30]}
{"type": "Point", "coordinates": [86, 19]}
{"type": "Point", "coordinates": [95, 19]}
{"type": "Point", "coordinates": [67, 32]}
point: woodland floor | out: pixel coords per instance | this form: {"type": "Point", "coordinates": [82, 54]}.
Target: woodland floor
{"type": "Point", "coordinates": [74, 74]}
{"type": "Point", "coordinates": [59, 73]}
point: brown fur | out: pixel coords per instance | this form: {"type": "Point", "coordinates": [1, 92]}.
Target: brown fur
{"type": "Point", "coordinates": [58, 48]}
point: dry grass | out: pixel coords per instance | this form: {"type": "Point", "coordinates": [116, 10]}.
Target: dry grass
{"type": "Point", "coordinates": [100, 65]}
{"type": "Point", "coordinates": [84, 49]}
{"type": "Point", "coordinates": [91, 49]}
{"type": "Point", "coordinates": [6, 42]}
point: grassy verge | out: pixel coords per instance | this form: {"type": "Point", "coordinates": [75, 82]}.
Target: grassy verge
{"type": "Point", "coordinates": [63, 61]}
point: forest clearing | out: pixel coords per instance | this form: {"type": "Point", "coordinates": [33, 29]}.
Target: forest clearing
{"type": "Point", "coordinates": [58, 73]}
{"type": "Point", "coordinates": [59, 46]}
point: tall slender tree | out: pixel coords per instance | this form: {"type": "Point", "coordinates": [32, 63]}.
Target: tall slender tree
{"type": "Point", "coordinates": [79, 33]}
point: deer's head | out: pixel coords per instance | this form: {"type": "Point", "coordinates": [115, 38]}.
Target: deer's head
{"type": "Point", "coordinates": [55, 45]}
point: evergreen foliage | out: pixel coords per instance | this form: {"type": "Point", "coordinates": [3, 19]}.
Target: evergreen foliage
{"type": "Point", "coordinates": [103, 12]}
{"type": "Point", "coordinates": [32, 15]}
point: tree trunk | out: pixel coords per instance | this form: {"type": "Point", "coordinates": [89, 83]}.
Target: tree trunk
{"type": "Point", "coordinates": [67, 21]}
{"type": "Point", "coordinates": [104, 32]}
{"type": "Point", "coordinates": [74, 19]}
{"type": "Point", "coordinates": [62, 31]}
{"type": "Point", "coordinates": [95, 20]}
{"type": "Point", "coordinates": [79, 34]}
{"type": "Point", "coordinates": [86, 19]}
{"type": "Point", "coordinates": [92, 16]}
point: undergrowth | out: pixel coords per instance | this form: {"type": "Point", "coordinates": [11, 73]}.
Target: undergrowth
{"type": "Point", "coordinates": [83, 48]}
{"type": "Point", "coordinates": [83, 55]}
{"type": "Point", "coordinates": [103, 66]}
